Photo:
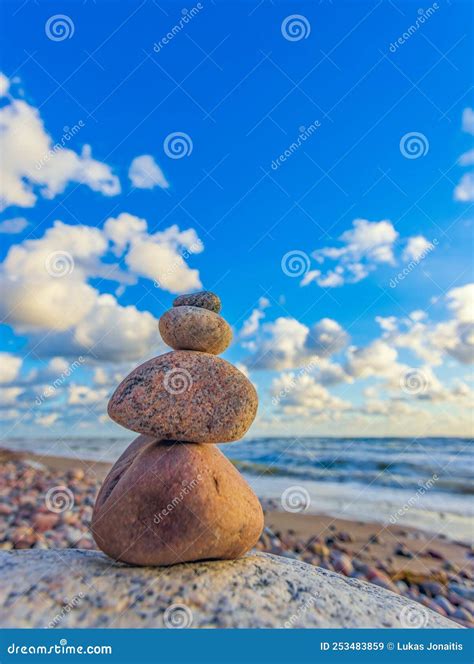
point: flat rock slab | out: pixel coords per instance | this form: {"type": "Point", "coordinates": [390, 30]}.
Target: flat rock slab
{"type": "Point", "coordinates": [69, 588]}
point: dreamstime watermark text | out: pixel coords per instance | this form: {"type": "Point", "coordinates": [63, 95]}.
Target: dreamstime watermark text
{"type": "Point", "coordinates": [69, 133]}
{"type": "Point", "coordinates": [413, 500]}
{"type": "Point", "coordinates": [186, 489]}
{"type": "Point", "coordinates": [305, 133]}
{"type": "Point", "coordinates": [409, 267]}
{"type": "Point", "coordinates": [50, 390]}
{"type": "Point", "coordinates": [187, 17]}
{"type": "Point", "coordinates": [423, 16]}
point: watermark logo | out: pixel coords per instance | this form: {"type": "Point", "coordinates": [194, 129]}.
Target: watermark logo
{"type": "Point", "coordinates": [178, 145]}
{"type": "Point", "coordinates": [295, 28]}
{"type": "Point", "coordinates": [59, 27]}
{"type": "Point", "coordinates": [414, 382]}
{"type": "Point", "coordinates": [414, 145]}
{"type": "Point", "coordinates": [59, 264]}
{"type": "Point", "coordinates": [295, 263]}
{"type": "Point", "coordinates": [295, 499]}
{"type": "Point", "coordinates": [177, 381]}
{"type": "Point", "coordinates": [178, 616]}
{"type": "Point", "coordinates": [59, 499]}
{"type": "Point", "coordinates": [413, 617]}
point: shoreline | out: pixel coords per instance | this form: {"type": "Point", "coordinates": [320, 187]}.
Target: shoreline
{"type": "Point", "coordinates": [99, 469]}
{"type": "Point", "coordinates": [431, 569]}
{"type": "Point", "coordinates": [351, 486]}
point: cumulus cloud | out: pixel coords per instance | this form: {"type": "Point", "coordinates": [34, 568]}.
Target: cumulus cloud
{"type": "Point", "coordinates": [467, 159]}
{"type": "Point", "coordinates": [377, 359]}
{"type": "Point", "coordinates": [13, 226]}
{"type": "Point", "coordinates": [33, 164]}
{"type": "Point", "coordinates": [9, 367]}
{"type": "Point", "coordinates": [464, 191]}
{"type": "Point", "coordinates": [145, 173]}
{"type": "Point", "coordinates": [286, 343]}
{"type": "Point", "coordinates": [416, 248]}
{"type": "Point", "coordinates": [430, 341]}
{"type": "Point", "coordinates": [303, 395]}
{"type": "Point", "coordinates": [252, 324]}
{"type": "Point", "coordinates": [360, 250]}
{"type": "Point", "coordinates": [45, 286]}
{"type": "Point", "coordinates": [468, 120]}
{"type": "Point", "coordinates": [326, 337]}
{"type": "Point", "coordinates": [84, 395]}
{"type": "Point", "coordinates": [4, 85]}
{"type": "Point", "coordinates": [47, 420]}
{"type": "Point", "coordinates": [163, 260]}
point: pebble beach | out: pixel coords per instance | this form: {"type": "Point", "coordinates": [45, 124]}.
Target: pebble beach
{"type": "Point", "coordinates": [47, 502]}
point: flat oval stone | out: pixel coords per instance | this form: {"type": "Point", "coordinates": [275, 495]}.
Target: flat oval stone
{"type": "Point", "coordinates": [203, 299]}
{"type": "Point", "coordinates": [166, 502]}
{"type": "Point", "coordinates": [186, 395]}
{"type": "Point", "coordinates": [194, 328]}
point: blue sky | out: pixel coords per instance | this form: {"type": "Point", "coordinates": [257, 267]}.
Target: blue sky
{"type": "Point", "coordinates": [370, 102]}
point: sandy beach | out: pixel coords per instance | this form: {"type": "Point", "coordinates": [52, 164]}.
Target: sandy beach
{"type": "Point", "coordinates": [433, 570]}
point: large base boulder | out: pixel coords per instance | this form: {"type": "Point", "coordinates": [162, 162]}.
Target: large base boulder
{"type": "Point", "coordinates": [74, 588]}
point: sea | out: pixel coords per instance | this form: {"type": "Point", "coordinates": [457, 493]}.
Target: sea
{"type": "Point", "coordinates": [427, 483]}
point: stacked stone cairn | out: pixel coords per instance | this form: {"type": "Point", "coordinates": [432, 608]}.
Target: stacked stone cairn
{"type": "Point", "coordinates": [173, 496]}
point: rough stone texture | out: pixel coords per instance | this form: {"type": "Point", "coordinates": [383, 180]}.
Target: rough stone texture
{"type": "Point", "coordinates": [195, 328]}
{"type": "Point", "coordinates": [186, 396]}
{"type": "Point", "coordinates": [256, 591]}
{"type": "Point", "coordinates": [204, 299]}
{"type": "Point", "coordinates": [166, 502]}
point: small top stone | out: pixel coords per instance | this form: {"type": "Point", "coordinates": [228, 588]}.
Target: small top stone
{"type": "Point", "coordinates": [203, 299]}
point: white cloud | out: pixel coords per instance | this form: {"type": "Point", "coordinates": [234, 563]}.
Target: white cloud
{"type": "Point", "coordinates": [286, 343]}
{"type": "Point", "coordinates": [145, 173]}
{"type": "Point", "coordinates": [302, 395]}
{"type": "Point", "coordinates": [364, 246]}
{"type": "Point", "coordinates": [377, 359]}
{"type": "Point", "coordinates": [161, 257]}
{"type": "Point", "coordinates": [9, 367]}
{"type": "Point", "coordinates": [83, 395]}
{"type": "Point", "coordinates": [281, 345]}
{"type": "Point", "coordinates": [4, 85]}
{"type": "Point", "coordinates": [252, 324]}
{"type": "Point", "coordinates": [416, 248]}
{"type": "Point", "coordinates": [468, 120]}
{"type": "Point", "coordinates": [47, 420]}
{"type": "Point", "coordinates": [465, 189]}
{"type": "Point", "coordinates": [326, 337]}
{"type": "Point", "coordinates": [33, 164]}
{"type": "Point", "coordinates": [461, 302]}
{"type": "Point", "coordinates": [9, 396]}
{"type": "Point", "coordinates": [432, 341]}
{"type": "Point", "coordinates": [467, 159]}
{"type": "Point", "coordinates": [44, 286]}
{"type": "Point", "coordinates": [13, 226]}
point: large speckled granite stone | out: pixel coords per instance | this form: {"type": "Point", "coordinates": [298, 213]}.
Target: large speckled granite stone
{"type": "Point", "coordinates": [70, 588]}
{"type": "Point", "coordinates": [165, 502]}
{"type": "Point", "coordinates": [195, 328]}
{"type": "Point", "coordinates": [187, 396]}
{"type": "Point", "coordinates": [204, 299]}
